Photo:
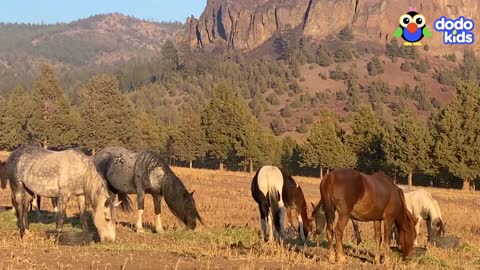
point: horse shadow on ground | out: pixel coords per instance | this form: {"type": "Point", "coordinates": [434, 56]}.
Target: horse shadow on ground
{"type": "Point", "coordinates": [47, 218]}
{"type": "Point", "coordinates": [146, 226]}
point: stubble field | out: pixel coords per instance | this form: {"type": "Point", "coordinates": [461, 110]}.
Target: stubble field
{"type": "Point", "coordinates": [229, 239]}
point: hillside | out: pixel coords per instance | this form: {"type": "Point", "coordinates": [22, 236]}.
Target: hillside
{"type": "Point", "coordinates": [79, 46]}
{"type": "Point", "coordinates": [280, 75]}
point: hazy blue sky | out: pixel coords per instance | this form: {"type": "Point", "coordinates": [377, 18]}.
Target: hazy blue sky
{"type": "Point", "coordinates": [52, 11]}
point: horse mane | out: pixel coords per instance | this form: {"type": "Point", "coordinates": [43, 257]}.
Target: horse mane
{"type": "Point", "coordinates": [407, 222]}
{"type": "Point", "coordinates": [172, 187]}
{"type": "Point", "coordinates": [94, 185]}
{"type": "Point", "coordinates": [145, 163]}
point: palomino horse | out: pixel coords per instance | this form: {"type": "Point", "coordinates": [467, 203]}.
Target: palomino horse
{"type": "Point", "coordinates": [130, 173]}
{"type": "Point", "coordinates": [424, 207]}
{"type": "Point", "coordinates": [363, 197]}
{"type": "Point", "coordinates": [267, 188]}
{"type": "Point", "coordinates": [293, 198]}
{"type": "Point", "coordinates": [33, 170]}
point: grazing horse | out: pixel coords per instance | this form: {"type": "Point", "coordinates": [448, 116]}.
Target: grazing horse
{"type": "Point", "coordinates": [363, 197]}
{"type": "Point", "coordinates": [128, 172]}
{"type": "Point", "coordinates": [267, 189]}
{"type": "Point", "coordinates": [293, 198]}
{"type": "Point", "coordinates": [35, 171]}
{"type": "Point", "coordinates": [424, 207]}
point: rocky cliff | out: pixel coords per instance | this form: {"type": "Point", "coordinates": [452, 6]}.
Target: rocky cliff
{"type": "Point", "coordinates": [247, 24]}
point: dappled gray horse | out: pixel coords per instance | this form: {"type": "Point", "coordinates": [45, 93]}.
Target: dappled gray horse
{"type": "Point", "coordinates": [128, 172]}
{"type": "Point", "coordinates": [33, 170]}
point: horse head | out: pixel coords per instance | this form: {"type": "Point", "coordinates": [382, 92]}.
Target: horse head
{"type": "Point", "coordinates": [190, 219]}
{"type": "Point", "coordinates": [104, 217]}
{"type": "Point", "coordinates": [318, 215]}
{"type": "Point", "coordinates": [407, 234]}
{"type": "Point", "coordinates": [438, 227]}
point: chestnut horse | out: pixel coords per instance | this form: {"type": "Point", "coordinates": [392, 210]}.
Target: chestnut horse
{"type": "Point", "coordinates": [294, 198]}
{"type": "Point", "coordinates": [363, 197]}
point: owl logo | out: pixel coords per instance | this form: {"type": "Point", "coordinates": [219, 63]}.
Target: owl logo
{"type": "Point", "coordinates": [412, 28]}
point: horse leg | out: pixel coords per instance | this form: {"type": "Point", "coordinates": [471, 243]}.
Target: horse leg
{"type": "Point", "coordinates": [62, 207]}
{"type": "Point", "coordinates": [301, 232]}
{"type": "Point", "coordinates": [83, 212]}
{"type": "Point", "coordinates": [387, 226]}
{"type": "Point", "coordinates": [157, 203]}
{"type": "Point", "coordinates": [342, 222]}
{"type": "Point", "coordinates": [39, 202]}
{"type": "Point", "coordinates": [417, 231]}
{"type": "Point", "coordinates": [378, 240]}
{"type": "Point", "coordinates": [55, 204]}
{"type": "Point", "coordinates": [263, 220]}
{"type": "Point", "coordinates": [331, 251]}
{"type": "Point", "coordinates": [281, 216]}
{"type": "Point", "coordinates": [141, 206]}
{"type": "Point", "coordinates": [356, 230]}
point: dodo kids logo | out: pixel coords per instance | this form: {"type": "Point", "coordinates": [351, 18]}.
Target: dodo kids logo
{"type": "Point", "coordinates": [458, 31]}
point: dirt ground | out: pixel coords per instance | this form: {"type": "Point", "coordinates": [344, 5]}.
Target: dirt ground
{"type": "Point", "coordinates": [229, 239]}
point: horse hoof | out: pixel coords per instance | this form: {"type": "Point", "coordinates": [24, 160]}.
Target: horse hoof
{"type": "Point", "coordinates": [342, 259]}
{"type": "Point", "coordinates": [139, 230]}
{"type": "Point", "coordinates": [158, 230]}
{"type": "Point", "coordinates": [331, 258]}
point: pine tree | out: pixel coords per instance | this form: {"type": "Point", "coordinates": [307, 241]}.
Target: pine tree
{"type": "Point", "coordinates": [220, 120]}
{"type": "Point", "coordinates": [456, 130]}
{"type": "Point", "coordinates": [151, 133]}
{"type": "Point", "coordinates": [108, 115]}
{"type": "Point", "coordinates": [189, 141]}
{"type": "Point", "coordinates": [290, 155]}
{"type": "Point", "coordinates": [325, 147]}
{"type": "Point", "coordinates": [52, 122]}
{"type": "Point", "coordinates": [408, 146]}
{"type": "Point", "coordinates": [16, 115]}
{"type": "Point", "coordinates": [366, 139]}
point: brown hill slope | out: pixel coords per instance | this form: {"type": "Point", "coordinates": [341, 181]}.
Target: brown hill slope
{"type": "Point", "coordinates": [87, 43]}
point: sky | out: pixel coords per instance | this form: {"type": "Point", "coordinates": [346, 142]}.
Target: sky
{"type": "Point", "coordinates": [53, 11]}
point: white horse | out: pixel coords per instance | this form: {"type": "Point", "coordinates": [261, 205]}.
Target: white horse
{"type": "Point", "coordinates": [267, 186]}
{"type": "Point", "coordinates": [424, 207]}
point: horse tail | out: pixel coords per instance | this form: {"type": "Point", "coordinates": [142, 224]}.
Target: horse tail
{"type": "Point", "coordinates": [126, 202]}
{"type": "Point", "coordinates": [3, 174]}
{"type": "Point", "coordinates": [326, 200]}
{"type": "Point", "coordinates": [273, 199]}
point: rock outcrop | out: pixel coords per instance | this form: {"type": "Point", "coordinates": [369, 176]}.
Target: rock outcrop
{"type": "Point", "coordinates": [247, 24]}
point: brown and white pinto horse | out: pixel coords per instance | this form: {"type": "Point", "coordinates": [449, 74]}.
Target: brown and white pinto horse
{"type": "Point", "coordinates": [362, 197]}
{"type": "Point", "coordinates": [277, 193]}
{"type": "Point", "coordinates": [294, 198]}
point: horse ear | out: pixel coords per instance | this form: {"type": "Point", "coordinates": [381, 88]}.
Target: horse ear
{"type": "Point", "coordinates": [191, 193]}
{"type": "Point", "coordinates": [313, 205]}
{"type": "Point", "coordinates": [118, 203]}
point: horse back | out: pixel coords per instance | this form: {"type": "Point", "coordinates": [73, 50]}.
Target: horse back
{"type": "Point", "coordinates": [116, 165]}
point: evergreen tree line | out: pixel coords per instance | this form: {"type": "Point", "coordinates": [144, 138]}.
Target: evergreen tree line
{"type": "Point", "coordinates": [221, 117]}
{"type": "Point", "coordinates": [226, 130]}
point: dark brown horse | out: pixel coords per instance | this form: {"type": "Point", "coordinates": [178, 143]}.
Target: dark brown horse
{"type": "Point", "coordinates": [362, 197]}
{"type": "Point", "coordinates": [293, 198]}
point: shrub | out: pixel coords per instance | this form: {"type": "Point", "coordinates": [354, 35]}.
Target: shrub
{"type": "Point", "coordinates": [273, 99]}
{"type": "Point", "coordinates": [346, 33]}
{"type": "Point", "coordinates": [343, 54]}
{"type": "Point", "coordinates": [406, 67]}
{"type": "Point", "coordinates": [338, 74]}
{"type": "Point", "coordinates": [286, 112]}
{"type": "Point", "coordinates": [375, 66]}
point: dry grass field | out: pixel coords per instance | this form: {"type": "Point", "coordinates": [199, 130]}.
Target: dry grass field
{"type": "Point", "coordinates": [229, 239]}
